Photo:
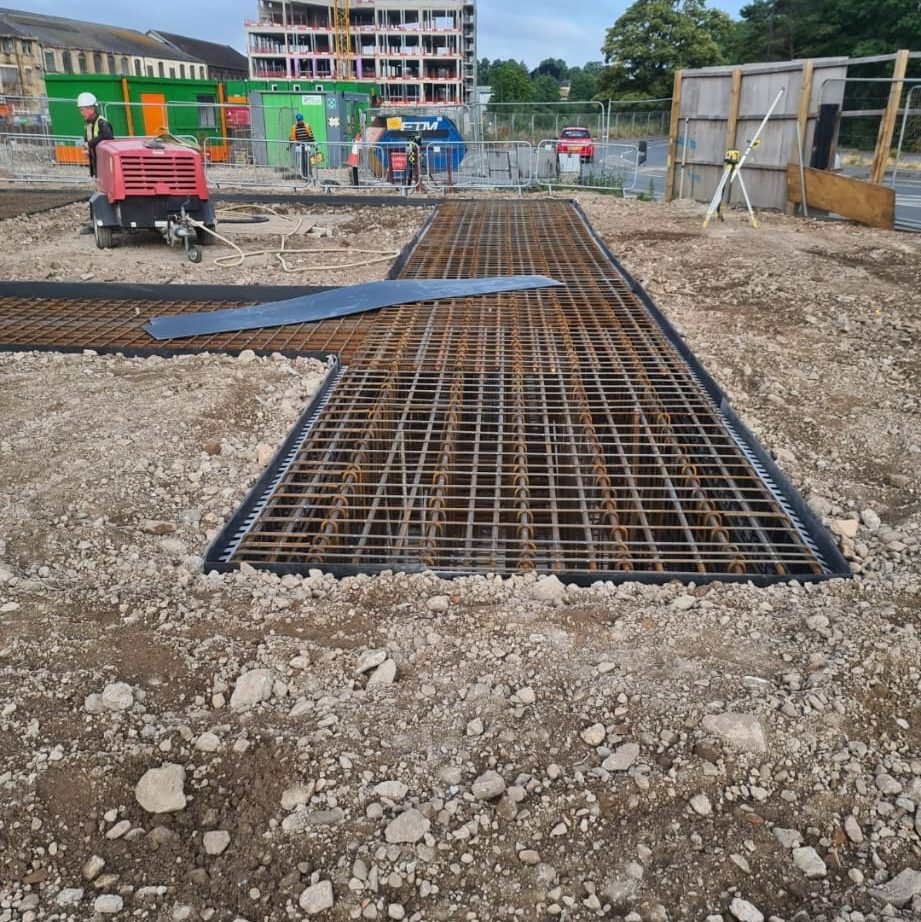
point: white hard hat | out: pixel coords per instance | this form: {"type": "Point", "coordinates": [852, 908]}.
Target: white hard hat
{"type": "Point", "coordinates": [86, 99]}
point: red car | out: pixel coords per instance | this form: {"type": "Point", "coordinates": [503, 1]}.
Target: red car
{"type": "Point", "coordinates": [576, 141]}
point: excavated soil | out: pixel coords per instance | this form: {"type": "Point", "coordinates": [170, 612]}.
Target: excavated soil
{"type": "Point", "coordinates": [483, 749]}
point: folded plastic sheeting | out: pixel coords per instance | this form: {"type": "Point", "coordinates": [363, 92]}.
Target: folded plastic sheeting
{"type": "Point", "coordinates": [337, 302]}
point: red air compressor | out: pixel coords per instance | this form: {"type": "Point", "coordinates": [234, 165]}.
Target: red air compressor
{"type": "Point", "coordinates": [151, 185]}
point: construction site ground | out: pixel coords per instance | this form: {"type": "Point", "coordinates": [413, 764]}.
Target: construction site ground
{"type": "Point", "coordinates": [489, 748]}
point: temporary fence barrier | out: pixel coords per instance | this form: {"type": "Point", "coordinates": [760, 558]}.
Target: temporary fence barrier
{"type": "Point", "coordinates": [608, 166]}
{"type": "Point", "coordinates": [39, 158]}
{"type": "Point", "coordinates": [906, 171]}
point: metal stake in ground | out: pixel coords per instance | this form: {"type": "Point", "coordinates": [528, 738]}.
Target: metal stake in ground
{"type": "Point", "coordinates": [734, 161]}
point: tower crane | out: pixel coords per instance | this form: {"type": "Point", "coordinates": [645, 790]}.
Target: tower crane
{"type": "Point", "coordinates": [342, 39]}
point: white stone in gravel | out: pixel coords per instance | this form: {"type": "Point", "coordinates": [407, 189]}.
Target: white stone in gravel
{"type": "Point", "coordinates": [888, 785]}
{"type": "Point", "coordinates": [216, 841]}
{"type": "Point", "coordinates": [92, 704]}
{"type": "Point", "coordinates": [529, 857]}
{"type": "Point", "coordinates": [741, 731]}
{"type": "Point", "coordinates": [160, 790]}
{"type": "Point", "coordinates": [117, 696]}
{"type": "Point", "coordinates": [408, 827]}
{"type": "Point", "coordinates": [317, 899]}
{"type": "Point", "coordinates": [684, 603]}
{"type": "Point", "coordinates": [488, 786]}
{"type": "Point", "coordinates": [901, 890]}
{"type": "Point", "coordinates": [108, 904]}
{"type": "Point", "coordinates": [871, 519]}
{"type": "Point", "coordinates": [548, 589]}
{"type": "Point", "coordinates": [474, 727]}
{"type": "Point", "coordinates": [119, 829]}
{"type": "Point", "coordinates": [369, 660]}
{"type": "Point", "coordinates": [808, 861]}
{"type": "Point", "coordinates": [788, 838]}
{"type": "Point", "coordinates": [700, 804]}
{"type": "Point", "coordinates": [295, 796]}
{"type": "Point", "coordinates": [526, 695]}
{"type": "Point", "coordinates": [208, 742]}
{"type": "Point", "coordinates": [93, 867]}
{"type": "Point", "coordinates": [385, 674]}
{"type": "Point", "coordinates": [594, 735]}
{"type": "Point", "coordinates": [396, 911]}
{"type": "Point", "coordinates": [844, 528]}
{"type": "Point", "coordinates": [745, 911]}
{"type": "Point", "coordinates": [438, 603]}
{"type": "Point", "coordinates": [622, 758]}
{"type": "Point", "coordinates": [69, 896]}
{"type": "Point", "coordinates": [853, 830]}
{"type": "Point", "coordinates": [251, 688]}
{"type": "Point", "coordinates": [392, 790]}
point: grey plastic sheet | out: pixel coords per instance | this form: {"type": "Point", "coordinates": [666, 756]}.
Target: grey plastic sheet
{"type": "Point", "coordinates": [338, 302]}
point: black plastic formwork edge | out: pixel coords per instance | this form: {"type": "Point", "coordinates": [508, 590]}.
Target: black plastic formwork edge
{"type": "Point", "coordinates": [407, 250]}
{"type": "Point", "coordinates": [225, 539]}
{"type": "Point", "coordinates": [837, 565]}
{"type": "Point", "coordinates": [124, 291]}
{"type": "Point", "coordinates": [292, 198]}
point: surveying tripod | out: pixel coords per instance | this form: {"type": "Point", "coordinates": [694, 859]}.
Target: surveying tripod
{"type": "Point", "coordinates": [732, 171]}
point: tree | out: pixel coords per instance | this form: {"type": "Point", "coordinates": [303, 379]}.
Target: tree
{"type": "Point", "coordinates": [511, 83]}
{"type": "Point", "coordinates": [551, 67]}
{"type": "Point", "coordinates": [483, 71]}
{"type": "Point", "coordinates": [653, 39]}
{"type": "Point", "coordinates": [545, 89]}
{"type": "Point", "coordinates": [583, 81]}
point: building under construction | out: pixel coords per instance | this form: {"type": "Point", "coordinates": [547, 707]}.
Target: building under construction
{"type": "Point", "coordinates": [421, 53]}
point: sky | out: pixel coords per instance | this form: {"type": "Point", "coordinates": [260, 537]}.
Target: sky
{"type": "Point", "coordinates": [525, 30]}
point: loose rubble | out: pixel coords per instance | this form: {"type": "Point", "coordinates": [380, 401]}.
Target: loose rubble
{"type": "Point", "coordinates": [179, 744]}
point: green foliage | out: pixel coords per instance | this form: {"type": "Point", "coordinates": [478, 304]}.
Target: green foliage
{"type": "Point", "coordinates": [551, 67]}
{"type": "Point", "coordinates": [584, 81]}
{"type": "Point", "coordinates": [545, 89]}
{"type": "Point", "coordinates": [654, 38]}
{"type": "Point", "coordinates": [777, 30]}
{"type": "Point", "coordinates": [511, 82]}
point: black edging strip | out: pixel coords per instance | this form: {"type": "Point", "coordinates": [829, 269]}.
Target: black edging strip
{"type": "Point", "coordinates": [834, 559]}
{"type": "Point", "coordinates": [118, 291]}
{"type": "Point", "coordinates": [240, 522]}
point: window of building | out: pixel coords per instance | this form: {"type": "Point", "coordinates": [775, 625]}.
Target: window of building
{"type": "Point", "coordinates": [50, 65]}
{"type": "Point", "coordinates": [110, 61]}
{"type": "Point", "coordinates": [6, 45]}
{"type": "Point", "coordinates": [138, 69]}
{"type": "Point", "coordinates": [182, 71]}
{"type": "Point", "coordinates": [172, 73]}
{"type": "Point", "coordinates": [9, 79]}
{"type": "Point", "coordinates": [26, 46]}
{"type": "Point", "coordinates": [160, 69]}
{"type": "Point", "coordinates": [82, 63]}
{"type": "Point", "coordinates": [201, 72]}
{"type": "Point", "coordinates": [207, 114]}
{"type": "Point", "coordinates": [150, 70]}
{"type": "Point", "coordinates": [97, 63]}
{"type": "Point", "coordinates": [67, 62]}
{"type": "Point", "coordinates": [123, 70]}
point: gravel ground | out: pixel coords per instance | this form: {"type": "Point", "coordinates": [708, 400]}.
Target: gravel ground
{"type": "Point", "coordinates": [179, 745]}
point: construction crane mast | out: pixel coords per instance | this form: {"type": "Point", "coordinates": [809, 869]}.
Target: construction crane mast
{"type": "Point", "coordinates": [342, 39]}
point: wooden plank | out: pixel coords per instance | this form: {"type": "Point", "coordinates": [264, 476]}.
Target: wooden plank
{"type": "Point", "coordinates": [674, 127]}
{"type": "Point", "coordinates": [805, 94]}
{"type": "Point", "coordinates": [860, 201]}
{"type": "Point", "coordinates": [735, 94]}
{"type": "Point", "coordinates": [887, 125]}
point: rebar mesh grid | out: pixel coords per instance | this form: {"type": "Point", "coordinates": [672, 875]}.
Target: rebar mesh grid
{"type": "Point", "coordinates": [557, 430]}
{"type": "Point", "coordinates": [117, 325]}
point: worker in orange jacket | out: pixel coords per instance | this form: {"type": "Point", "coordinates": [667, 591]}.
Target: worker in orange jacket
{"type": "Point", "coordinates": [302, 137]}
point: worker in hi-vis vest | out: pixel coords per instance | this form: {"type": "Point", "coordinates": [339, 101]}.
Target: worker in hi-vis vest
{"type": "Point", "coordinates": [302, 136]}
{"type": "Point", "coordinates": [95, 127]}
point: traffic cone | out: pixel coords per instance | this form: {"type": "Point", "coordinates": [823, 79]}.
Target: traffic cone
{"type": "Point", "coordinates": [352, 159]}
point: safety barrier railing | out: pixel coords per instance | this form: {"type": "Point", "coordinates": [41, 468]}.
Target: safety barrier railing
{"type": "Point", "coordinates": [39, 158]}
{"type": "Point", "coordinates": [607, 166]}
